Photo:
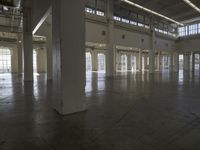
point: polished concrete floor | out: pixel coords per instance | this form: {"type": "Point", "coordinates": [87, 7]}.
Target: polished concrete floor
{"type": "Point", "coordinates": [127, 112]}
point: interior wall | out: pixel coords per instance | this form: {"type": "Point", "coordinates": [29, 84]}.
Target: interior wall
{"type": "Point", "coordinates": [191, 44]}
{"type": "Point", "coordinates": [97, 33]}
{"type": "Point", "coordinates": [41, 60]}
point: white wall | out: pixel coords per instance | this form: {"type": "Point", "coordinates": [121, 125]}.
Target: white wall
{"type": "Point", "coordinates": [192, 44]}
{"type": "Point", "coordinates": [134, 37]}
{"type": "Point", "coordinates": [94, 32]}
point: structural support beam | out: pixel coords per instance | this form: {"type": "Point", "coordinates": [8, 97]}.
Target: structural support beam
{"type": "Point", "coordinates": [94, 60]}
{"type": "Point", "coordinates": [20, 53]}
{"type": "Point", "coordinates": [152, 53]}
{"type": "Point", "coordinates": [110, 53]}
{"type": "Point", "coordinates": [68, 18]}
{"type": "Point", "coordinates": [193, 61]}
{"type": "Point", "coordinates": [28, 42]}
{"type": "Point", "coordinates": [159, 61]}
{"type": "Point", "coordinates": [186, 64]}
{"type": "Point", "coordinates": [14, 60]}
{"type": "Point", "coordinates": [171, 62]}
{"type": "Point", "coordinates": [118, 61]}
{"type": "Point", "coordinates": [49, 54]}
{"type": "Point", "coordinates": [176, 62]}
{"type": "Point", "coordinates": [145, 62]}
{"type": "Point", "coordinates": [129, 62]}
{"type": "Point", "coordinates": [140, 60]}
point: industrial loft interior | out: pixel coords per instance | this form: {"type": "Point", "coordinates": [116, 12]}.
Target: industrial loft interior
{"type": "Point", "coordinates": [99, 74]}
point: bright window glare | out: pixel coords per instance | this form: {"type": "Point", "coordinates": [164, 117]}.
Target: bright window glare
{"type": "Point", "coordinates": [189, 30]}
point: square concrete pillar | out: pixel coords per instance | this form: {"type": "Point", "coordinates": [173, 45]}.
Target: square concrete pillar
{"type": "Point", "coordinates": [176, 62]}
{"type": "Point", "coordinates": [94, 60]}
{"type": "Point", "coordinates": [19, 54]}
{"type": "Point", "coordinates": [68, 18]}
{"type": "Point", "coordinates": [186, 60]}
{"type": "Point", "coordinates": [152, 54]}
{"type": "Point", "coordinates": [140, 60]}
{"type": "Point", "coordinates": [129, 67]}
{"type": "Point", "coordinates": [111, 48]}
{"type": "Point", "coordinates": [27, 41]}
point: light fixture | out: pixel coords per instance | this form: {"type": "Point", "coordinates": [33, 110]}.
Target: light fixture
{"type": "Point", "coordinates": [192, 5]}
{"type": "Point", "coordinates": [152, 12]}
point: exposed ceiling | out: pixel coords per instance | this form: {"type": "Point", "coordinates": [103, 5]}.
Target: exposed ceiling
{"type": "Point", "coordinates": [10, 16]}
{"type": "Point", "coordinates": [175, 9]}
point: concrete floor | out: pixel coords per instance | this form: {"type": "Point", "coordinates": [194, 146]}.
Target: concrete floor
{"type": "Point", "coordinates": [127, 112]}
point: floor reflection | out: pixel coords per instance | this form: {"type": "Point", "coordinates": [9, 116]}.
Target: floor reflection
{"type": "Point", "coordinates": [127, 109]}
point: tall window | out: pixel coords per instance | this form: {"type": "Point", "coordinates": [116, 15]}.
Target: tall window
{"type": "Point", "coordinates": [181, 62]}
{"type": "Point", "coordinates": [133, 63]}
{"type": "Point", "coordinates": [123, 63]}
{"type": "Point", "coordinates": [165, 62]}
{"type": "Point", "coordinates": [193, 29]}
{"type": "Point", "coordinates": [101, 62]}
{"type": "Point", "coordinates": [34, 61]}
{"type": "Point", "coordinates": [88, 61]}
{"type": "Point", "coordinates": [181, 31]}
{"type": "Point", "coordinates": [199, 28]}
{"type": "Point", "coordinates": [197, 61]}
{"type": "Point", "coordinates": [5, 60]}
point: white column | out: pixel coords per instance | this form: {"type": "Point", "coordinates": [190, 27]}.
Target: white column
{"type": "Point", "coordinates": [28, 42]}
{"type": "Point", "coordinates": [20, 53]}
{"type": "Point", "coordinates": [94, 60]}
{"type": "Point", "coordinates": [171, 62]}
{"type": "Point", "coordinates": [14, 60]}
{"type": "Point", "coordinates": [128, 61]}
{"type": "Point", "coordinates": [193, 61]}
{"type": "Point", "coordinates": [49, 54]}
{"type": "Point", "coordinates": [152, 54]}
{"type": "Point", "coordinates": [159, 61]}
{"type": "Point", "coordinates": [110, 53]}
{"type": "Point", "coordinates": [176, 62]}
{"type": "Point", "coordinates": [117, 60]}
{"type": "Point", "coordinates": [186, 61]}
{"type": "Point", "coordinates": [140, 60]}
{"type": "Point", "coordinates": [68, 19]}
{"type": "Point", "coordinates": [145, 61]}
